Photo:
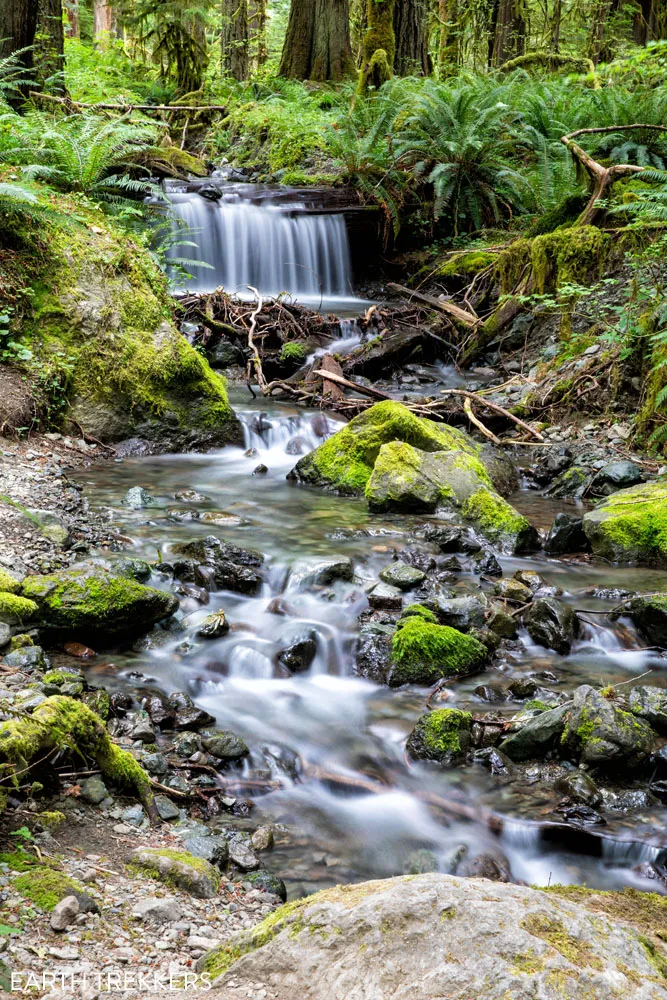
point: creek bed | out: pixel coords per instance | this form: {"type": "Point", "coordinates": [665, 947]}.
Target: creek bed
{"type": "Point", "coordinates": [329, 719]}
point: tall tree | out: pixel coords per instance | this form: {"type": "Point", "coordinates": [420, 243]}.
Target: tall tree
{"type": "Point", "coordinates": [317, 45]}
{"type": "Point", "coordinates": [411, 34]}
{"type": "Point", "coordinates": [234, 40]}
{"type": "Point", "coordinates": [73, 25]}
{"type": "Point", "coordinates": [257, 18]}
{"type": "Point", "coordinates": [18, 23]}
{"type": "Point", "coordinates": [103, 22]}
{"type": "Point", "coordinates": [508, 38]}
{"type": "Point", "coordinates": [379, 44]}
{"type": "Point", "coordinates": [448, 40]}
{"type": "Point", "coordinates": [49, 55]}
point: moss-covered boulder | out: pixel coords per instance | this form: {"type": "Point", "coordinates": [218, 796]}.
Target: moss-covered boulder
{"type": "Point", "coordinates": [8, 582]}
{"type": "Point", "coordinates": [649, 616]}
{"type": "Point", "coordinates": [422, 652]}
{"type": "Point", "coordinates": [631, 525]}
{"type": "Point", "coordinates": [90, 599]}
{"type": "Point", "coordinates": [16, 610]}
{"type": "Point", "coordinates": [401, 462]}
{"type": "Point", "coordinates": [600, 733]}
{"type": "Point", "coordinates": [45, 887]}
{"type": "Point", "coordinates": [97, 316]}
{"type": "Point", "coordinates": [178, 868]}
{"type": "Point", "coordinates": [443, 735]}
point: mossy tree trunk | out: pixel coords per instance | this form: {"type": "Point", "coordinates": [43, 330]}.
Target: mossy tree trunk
{"type": "Point", "coordinates": [49, 57]}
{"type": "Point", "coordinates": [257, 21]}
{"type": "Point", "coordinates": [234, 41]}
{"type": "Point", "coordinates": [317, 46]}
{"type": "Point", "coordinates": [448, 41]}
{"type": "Point", "coordinates": [411, 34]}
{"type": "Point", "coordinates": [379, 48]}
{"type": "Point", "coordinates": [103, 23]}
{"type": "Point", "coordinates": [508, 26]}
{"type": "Point", "coordinates": [18, 23]}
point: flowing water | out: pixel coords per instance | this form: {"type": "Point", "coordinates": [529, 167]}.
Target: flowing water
{"type": "Point", "coordinates": [305, 727]}
{"type": "Point", "coordinates": [264, 238]}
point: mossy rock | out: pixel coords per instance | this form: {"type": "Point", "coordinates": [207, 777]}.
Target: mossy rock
{"type": "Point", "coordinates": [177, 868]}
{"type": "Point", "coordinates": [603, 735]}
{"type": "Point", "coordinates": [90, 600]}
{"type": "Point", "coordinates": [45, 887]}
{"type": "Point", "coordinates": [466, 265]}
{"type": "Point", "coordinates": [105, 348]}
{"type": "Point", "coordinates": [499, 522]}
{"type": "Point", "coordinates": [631, 525]}
{"type": "Point", "coordinates": [422, 652]}
{"type": "Point", "coordinates": [8, 583]}
{"type": "Point", "coordinates": [16, 610]}
{"type": "Point", "coordinates": [443, 735]}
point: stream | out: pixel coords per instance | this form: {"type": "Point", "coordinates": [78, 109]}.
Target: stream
{"type": "Point", "coordinates": [330, 719]}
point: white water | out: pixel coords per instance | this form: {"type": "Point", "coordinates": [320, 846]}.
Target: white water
{"type": "Point", "coordinates": [275, 246]}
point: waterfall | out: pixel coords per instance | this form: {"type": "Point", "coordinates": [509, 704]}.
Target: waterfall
{"type": "Point", "coordinates": [251, 236]}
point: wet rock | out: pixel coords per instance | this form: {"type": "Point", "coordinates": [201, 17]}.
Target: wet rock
{"type": "Point", "coordinates": [500, 622]}
{"type": "Point", "coordinates": [486, 564]}
{"type": "Point", "coordinates": [187, 744]}
{"type": "Point", "coordinates": [262, 838]}
{"type": "Point", "coordinates": [580, 814]}
{"type": "Point", "coordinates": [297, 446]}
{"type": "Point", "coordinates": [462, 613]}
{"type": "Point", "coordinates": [210, 192]}
{"type": "Point", "coordinates": [522, 688]}
{"type": "Point", "coordinates": [495, 868]}
{"type": "Point", "coordinates": [420, 862]}
{"type": "Point", "coordinates": [512, 590]}
{"type": "Point", "coordinates": [574, 482]}
{"type": "Point", "coordinates": [226, 566]}
{"type": "Point", "coordinates": [64, 913]}
{"type": "Point", "coordinates": [133, 569]}
{"type": "Point", "coordinates": [320, 572]}
{"type": "Point", "coordinates": [449, 537]}
{"type": "Point", "coordinates": [78, 650]}
{"type": "Point", "coordinates": [628, 801]}
{"type": "Point", "coordinates": [155, 763]}
{"type": "Point", "coordinates": [161, 713]}
{"type": "Point", "coordinates": [142, 728]}
{"type": "Point", "coordinates": [93, 790]}
{"type": "Point", "coordinates": [298, 656]}
{"type": "Point", "coordinates": [629, 525]}
{"type": "Point", "coordinates": [537, 585]}
{"type": "Point", "coordinates": [422, 651]}
{"type": "Point", "coordinates": [120, 702]}
{"type": "Point", "coordinates": [450, 565]}
{"type": "Point", "coordinates": [260, 470]}
{"type": "Point", "coordinates": [601, 734]}
{"type": "Point", "coordinates": [650, 703]}
{"type": "Point", "coordinates": [137, 497]}
{"type": "Point", "coordinates": [226, 746]}
{"type": "Point", "coordinates": [621, 474]}
{"type": "Point", "coordinates": [419, 559]}
{"type": "Point", "coordinates": [214, 626]}
{"type": "Point", "coordinates": [580, 787]}
{"type": "Point", "coordinates": [29, 659]}
{"type": "Point", "coordinates": [490, 692]}
{"type": "Point", "coordinates": [193, 875]}
{"type": "Point", "coordinates": [566, 536]}
{"type": "Point", "coordinates": [214, 849]}
{"type": "Point", "coordinates": [224, 355]}
{"type": "Point", "coordinates": [166, 809]}
{"type": "Point", "coordinates": [401, 575]}
{"type": "Point", "coordinates": [192, 718]}
{"type": "Point", "coordinates": [242, 855]}
{"type": "Point", "coordinates": [158, 910]}
{"type": "Point", "coordinates": [267, 883]}
{"type": "Point", "coordinates": [442, 735]}
{"type": "Point", "coordinates": [493, 760]}
{"type": "Point", "coordinates": [552, 624]}
{"type": "Point", "coordinates": [649, 616]}
{"type": "Point", "coordinates": [555, 462]}
{"type": "Point", "coordinates": [537, 736]}
{"type": "Point", "coordinates": [384, 597]}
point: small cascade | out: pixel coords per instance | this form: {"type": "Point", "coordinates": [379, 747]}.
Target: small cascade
{"type": "Point", "coordinates": [250, 236]}
{"type": "Point", "coordinates": [292, 435]}
{"type": "Point", "coordinates": [350, 337]}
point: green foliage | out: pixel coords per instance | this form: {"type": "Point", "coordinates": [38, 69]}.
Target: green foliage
{"type": "Point", "coordinates": [293, 353]}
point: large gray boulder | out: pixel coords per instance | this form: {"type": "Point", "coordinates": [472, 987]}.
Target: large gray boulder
{"type": "Point", "coordinates": [603, 735]}
{"type": "Point", "coordinates": [433, 936]}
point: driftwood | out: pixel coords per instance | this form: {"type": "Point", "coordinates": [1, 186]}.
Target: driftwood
{"type": "Point", "coordinates": [458, 314]}
{"type": "Point", "coordinates": [491, 406]}
{"type": "Point", "coordinates": [365, 390]}
{"type": "Point", "coordinates": [70, 105]}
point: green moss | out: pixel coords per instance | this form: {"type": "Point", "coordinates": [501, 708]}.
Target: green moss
{"type": "Point", "coordinates": [568, 256]}
{"type": "Point", "coordinates": [345, 461]}
{"type": "Point", "coordinates": [442, 730]}
{"type": "Point", "coordinates": [631, 524]}
{"type": "Point", "coordinates": [45, 887]}
{"type": "Point", "coordinates": [148, 865]}
{"type": "Point", "coordinates": [536, 705]}
{"type": "Point", "coordinates": [294, 353]}
{"type": "Point", "coordinates": [20, 641]}
{"type": "Point", "coordinates": [498, 520]}
{"type": "Point", "coordinates": [422, 652]}
{"type": "Point", "coordinates": [98, 702]}
{"type": "Point", "coordinates": [8, 583]}
{"type": "Point", "coordinates": [15, 610]}
{"type": "Point", "coordinates": [60, 677]}
{"type": "Point", "coordinates": [52, 819]}
{"type": "Point", "coordinates": [379, 45]}
{"type": "Point", "coordinates": [419, 611]}
{"type": "Point", "coordinates": [466, 265]}
{"type": "Point", "coordinates": [528, 963]}
{"type": "Point", "coordinates": [551, 930]}
{"type": "Point", "coordinates": [18, 861]}
{"type": "Point", "coordinates": [563, 214]}
{"type": "Point", "coordinates": [61, 723]}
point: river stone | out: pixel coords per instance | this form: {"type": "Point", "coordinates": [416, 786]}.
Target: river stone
{"type": "Point", "coordinates": [226, 746]}
{"type": "Point", "coordinates": [649, 616]}
{"type": "Point", "coordinates": [89, 598]}
{"type": "Point", "coordinates": [213, 849]}
{"type": "Point", "coordinates": [138, 497]}
{"type": "Point", "coordinates": [421, 937]}
{"type": "Point", "coordinates": [373, 658]}
{"type": "Point", "coordinates": [601, 734]}
{"type": "Point", "coordinates": [631, 525]}
{"type": "Point", "coordinates": [300, 653]}
{"type": "Point", "coordinates": [191, 874]}
{"type": "Point", "coordinates": [267, 883]}
{"type": "Point", "coordinates": [621, 474]}
{"type": "Point", "coordinates": [384, 597]}
{"type": "Point", "coordinates": [214, 626]}
{"type": "Point", "coordinates": [500, 622]}
{"type": "Point", "coordinates": [401, 575]}
{"type": "Point", "coordinates": [566, 535]}
{"type": "Point", "coordinates": [574, 482]}
{"type": "Point", "coordinates": [442, 735]}
{"type": "Point", "coordinates": [552, 623]}
{"type": "Point", "coordinates": [166, 809]}
{"type": "Point", "coordinates": [242, 855]}
{"type": "Point", "coordinates": [93, 790]}
{"type": "Point", "coordinates": [512, 590]}
{"type": "Point", "coordinates": [650, 703]}
{"type": "Point", "coordinates": [462, 613]}
{"type": "Point", "coordinates": [319, 571]}
{"type": "Point", "coordinates": [580, 787]}
{"type": "Point", "coordinates": [535, 737]}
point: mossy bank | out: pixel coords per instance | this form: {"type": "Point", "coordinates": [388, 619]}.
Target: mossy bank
{"type": "Point", "coordinates": [91, 315]}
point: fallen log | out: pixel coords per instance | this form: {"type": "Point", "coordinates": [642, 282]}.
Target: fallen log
{"type": "Point", "coordinates": [491, 406]}
{"type": "Point", "coordinates": [449, 308]}
{"type": "Point", "coordinates": [69, 104]}
{"type": "Point", "coordinates": [365, 390]}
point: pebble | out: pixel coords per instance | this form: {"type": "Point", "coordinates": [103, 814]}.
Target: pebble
{"type": "Point", "coordinates": [64, 913]}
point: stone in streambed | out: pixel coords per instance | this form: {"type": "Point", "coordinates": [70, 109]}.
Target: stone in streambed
{"type": "Point", "coordinates": [401, 575]}
{"type": "Point", "coordinates": [214, 626]}
{"type": "Point", "coordinates": [553, 624]}
{"type": "Point", "coordinates": [16, 610]}
{"type": "Point", "coordinates": [91, 599]}
{"type": "Point", "coordinates": [298, 656]}
{"type": "Point", "coordinates": [226, 746]}
{"type": "Point", "coordinates": [320, 572]}
{"type": "Point", "coordinates": [137, 497]}
{"type": "Point", "coordinates": [514, 591]}
{"type": "Point", "coordinates": [267, 883]}
{"type": "Point", "coordinates": [213, 849]}
{"type": "Point", "coordinates": [442, 735]}
{"type": "Point", "coordinates": [631, 525]}
{"type": "Point", "coordinates": [422, 652]}
{"type": "Point", "coordinates": [462, 613]}
{"type": "Point", "coordinates": [566, 535]}
{"type": "Point", "coordinates": [384, 597]}
{"type": "Point", "coordinates": [580, 787]}
{"type": "Point", "coordinates": [535, 737]}
{"type": "Point", "coordinates": [242, 855]}
{"type": "Point", "coordinates": [601, 734]}
{"type": "Point", "coordinates": [650, 703]}
{"type": "Point", "coordinates": [649, 616]}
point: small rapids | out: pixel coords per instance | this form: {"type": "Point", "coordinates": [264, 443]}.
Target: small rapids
{"type": "Point", "coordinates": [312, 729]}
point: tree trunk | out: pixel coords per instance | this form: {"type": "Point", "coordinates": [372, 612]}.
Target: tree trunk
{"type": "Point", "coordinates": [596, 41]}
{"type": "Point", "coordinates": [234, 42]}
{"type": "Point", "coordinates": [103, 22]}
{"type": "Point", "coordinates": [554, 27]}
{"type": "Point", "coordinates": [317, 46]}
{"type": "Point", "coordinates": [73, 29]}
{"type": "Point", "coordinates": [509, 31]}
{"type": "Point", "coordinates": [49, 55]}
{"type": "Point", "coordinates": [18, 23]}
{"type": "Point", "coordinates": [379, 45]}
{"type": "Point", "coordinates": [257, 20]}
{"type": "Point", "coordinates": [411, 34]}
{"type": "Point", "coordinates": [448, 41]}
{"type": "Point", "coordinates": [642, 25]}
